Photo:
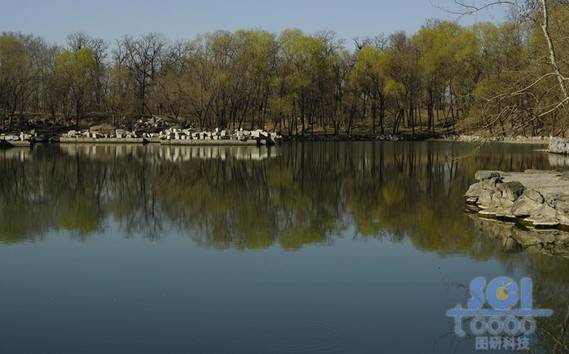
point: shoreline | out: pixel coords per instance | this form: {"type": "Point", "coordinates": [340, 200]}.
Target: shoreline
{"type": "Point", "coordinates": [531, 140]}
{"type": "Point", "coordinates": [320, 137]}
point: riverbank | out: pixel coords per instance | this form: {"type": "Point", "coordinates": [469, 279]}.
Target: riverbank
{"type": "Point", "coordinates": [534, 140]}
{"type": "Point", "coordinates": [422, 136]}
{"type": "Point", "coordinates": [106, 134]}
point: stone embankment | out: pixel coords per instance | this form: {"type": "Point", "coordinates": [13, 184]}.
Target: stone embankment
{"type": "Point", "coordinates": [20, 140]}
{"type": "Point", "coordinates": [174, 136]}
{"type": "Point", "coordinates": [219, 137]}
{"type": "Point", "coordinates": [92, 137]}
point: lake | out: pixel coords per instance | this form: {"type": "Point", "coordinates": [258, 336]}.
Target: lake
{"type": "Point", "coordinates": [306, 247]}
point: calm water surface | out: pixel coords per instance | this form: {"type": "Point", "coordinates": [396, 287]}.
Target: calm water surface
{"type": "Point", "coordinates": [316, 247]}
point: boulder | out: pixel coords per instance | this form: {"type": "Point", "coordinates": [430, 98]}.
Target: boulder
{"type": "Point", "coordinates": [529, 201]}
{"type": "Point", "coordinates": [511, 190]}
{"type": "Point", "coordinates": [543, 216]}
{"type": "Point", "coordinates": [557, 200]}
{"type": "Point", "coordinates": [485, 198]}
{"type": "Point", "coordinates": [473, 193]}
{"type": "Point", "coordinates": [484, 175]}
{"type": "Point", "coordinates": [490, 184]}
{"type": "Point", "coordinates": [534, 195]}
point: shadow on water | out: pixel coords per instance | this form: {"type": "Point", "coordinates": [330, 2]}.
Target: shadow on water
{"type": "Point", "coordinates": [290, 197]}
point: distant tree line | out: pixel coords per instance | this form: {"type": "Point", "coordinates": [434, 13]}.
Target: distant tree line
{"type": "Point", "coordinates": [497, 78]}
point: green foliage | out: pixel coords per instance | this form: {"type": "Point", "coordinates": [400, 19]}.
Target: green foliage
{"type": "Point", "coordinates": [13, 55]}
{"type": "Point", "coordinates": [14, 75]}
{"type": "Point", "coordinates": [445, 77]}
{"type": "Point", "coordinates": [372, 69]}
{"type": "Point", "coordinates": [72, 69]}
{"type": "Point", "coordinates": [73, 75]}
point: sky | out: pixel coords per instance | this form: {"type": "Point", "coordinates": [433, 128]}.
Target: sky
{"type": "Point", "coordinates": [183, 19]}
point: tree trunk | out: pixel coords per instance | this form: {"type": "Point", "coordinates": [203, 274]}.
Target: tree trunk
{"type": "Point", "coordinates": [430, 111]}
{"type": "Point", "coordinates": [373, 115]}
{"type": "Point", "coordinates": [382, 113]}
{"type": "Point", "coordinates": [552, 54]}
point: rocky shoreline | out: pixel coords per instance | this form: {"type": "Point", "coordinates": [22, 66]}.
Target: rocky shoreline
{"type": "Point", "coordinates": [536, 201]}
{"type": "Point", "coordinates": [536, 198]}
{"type": "Point", "coordinates": [170, 136]}
{"type": "Point", "coordinates": [177, 136]}
{"type": "Point", "coordinates": [541, 140]}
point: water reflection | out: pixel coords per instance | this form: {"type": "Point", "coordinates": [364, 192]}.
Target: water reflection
{"type": "Point", "coordinates": [20, 154]}
{"type": "Point", "coordinates": [558, 161]}
{"type": "Point", "coordinates": [158, 153]}
{"type": "Point", "coordinates": [246, 198]}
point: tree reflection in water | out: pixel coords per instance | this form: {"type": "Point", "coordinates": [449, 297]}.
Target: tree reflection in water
{"type": "Point", "coordinates": [290, 196]}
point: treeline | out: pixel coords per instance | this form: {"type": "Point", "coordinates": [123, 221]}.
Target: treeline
{"type": "Point", "coordinates": [496, 78]}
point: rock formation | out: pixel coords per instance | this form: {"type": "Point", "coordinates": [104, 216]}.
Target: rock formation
{"type": "Point", "coordinates": [536, 198]}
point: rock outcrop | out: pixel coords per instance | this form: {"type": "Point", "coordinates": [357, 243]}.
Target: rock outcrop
{"type": "Point", "coordinates": [536, 198]}
{"type": "Point", "coordinates": [559, 146]}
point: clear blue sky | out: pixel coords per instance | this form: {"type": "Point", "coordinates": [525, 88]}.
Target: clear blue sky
{"type": "Point", "coordinates": [177, 19]}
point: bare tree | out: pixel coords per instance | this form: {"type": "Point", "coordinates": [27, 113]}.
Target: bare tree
{"type": "Point", "coordinates": [142, 57]}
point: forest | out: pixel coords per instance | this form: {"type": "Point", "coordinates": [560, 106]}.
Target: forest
{"type": "Point", "coordinates": [507, 78]}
